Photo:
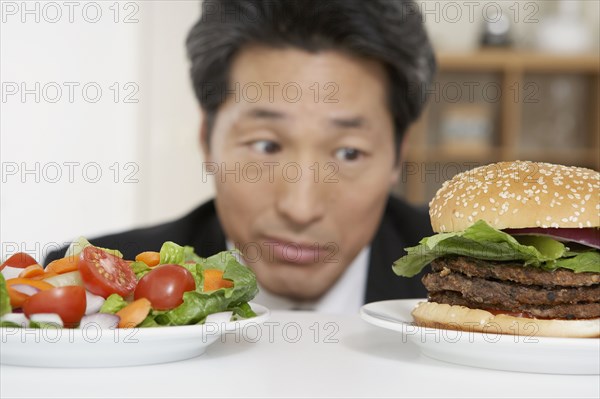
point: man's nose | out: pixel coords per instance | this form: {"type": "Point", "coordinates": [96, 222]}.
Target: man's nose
{"type": "Point", "coordinates": [302, 198]}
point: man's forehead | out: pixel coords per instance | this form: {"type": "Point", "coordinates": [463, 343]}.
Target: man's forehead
{"type": "Point", "coordinates": [274, 67]}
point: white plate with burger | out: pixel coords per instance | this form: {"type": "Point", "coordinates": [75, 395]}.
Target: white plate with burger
{"type": "Point", "coordinates": [515, 271]}
{"type": "Point", "coordinates": [488, 349]}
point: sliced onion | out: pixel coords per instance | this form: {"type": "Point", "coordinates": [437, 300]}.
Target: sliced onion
{"type": "Point", "coordinates": [17, 318]}
{"type": "Point", "coordinates": [589, 236]}
{"type": "Point", "coordinates": [93, 303]}
{"type": "Point", "coordinates": [50, 318]}
{"type": "Point", "coordinates": [71, 278]}
{"type": "Point", "coordinates": [11, 272]}
{"type": "Point", "coordinates": [102, 320]}
{"type": "Point", "coordinates": [25, 289]}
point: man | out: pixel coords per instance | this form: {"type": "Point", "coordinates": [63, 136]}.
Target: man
{"type": "Point", "coordinates": [305, 105]}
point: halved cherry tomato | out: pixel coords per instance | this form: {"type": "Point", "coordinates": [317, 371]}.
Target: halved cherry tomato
{"type": "Point", "coordinates": [20, 260]}
{"type": "Point", "coordinates": [68, 302]}
{"type": "Point", "coordinates": [213, 280]}
{"type": "Point", "coordinates": [105, 274]}
{"type": "Point", "coordinates": [164, 286]}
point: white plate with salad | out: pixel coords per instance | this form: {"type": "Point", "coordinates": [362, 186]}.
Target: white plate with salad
{"type": "Point", "coordinates": [92, 308]}
{"type": "Point", "coordinates": [487, 350]}
{"type": "Point", "coordinates": [96, 347]}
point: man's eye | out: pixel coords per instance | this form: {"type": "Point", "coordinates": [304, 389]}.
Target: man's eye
{"type": "Point", "coordinates": [265, 146]}
{"type": "Point", "coordinates": [348, 154]}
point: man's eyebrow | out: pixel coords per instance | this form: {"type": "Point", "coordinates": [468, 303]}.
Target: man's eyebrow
{"type": "Point", "coordinates": [348, 123]}
{"type": "Point", "coordinates": [262, 113]}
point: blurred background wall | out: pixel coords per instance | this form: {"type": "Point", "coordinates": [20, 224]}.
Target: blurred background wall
{"type": "Point", "coordinates": [99, 124]}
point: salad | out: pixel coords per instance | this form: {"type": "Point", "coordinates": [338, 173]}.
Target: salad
{"type": "Point", "coordinates": [172, 287]}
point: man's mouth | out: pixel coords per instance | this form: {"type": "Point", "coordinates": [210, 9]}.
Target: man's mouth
{"type": "Point", "coordinates": [294, 252]}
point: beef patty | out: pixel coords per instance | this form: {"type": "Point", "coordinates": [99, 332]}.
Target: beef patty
{"type": "Point", "coordinates": [506, 286]}
{"type": "Point", "coordinates": [513, 271]}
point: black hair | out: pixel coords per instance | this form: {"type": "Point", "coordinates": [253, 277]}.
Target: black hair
{"type": "Point", "coordinates": [388, 31]}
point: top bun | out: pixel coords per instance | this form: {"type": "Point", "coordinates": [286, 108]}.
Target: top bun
{"type": "Point", "coordinates": [518, 194]}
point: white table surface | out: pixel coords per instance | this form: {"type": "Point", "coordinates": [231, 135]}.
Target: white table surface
{"type": "Point", "coordinates": [346, 358]}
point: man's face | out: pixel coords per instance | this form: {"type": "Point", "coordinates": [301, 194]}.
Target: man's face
{"type": "Point", "coordinates": [305, 151]}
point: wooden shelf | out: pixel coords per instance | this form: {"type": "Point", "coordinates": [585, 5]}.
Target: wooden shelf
{"type": "Point", "coordinates": [503, 60]}
{"type": "Point", "coordinates": [510, 69]}
{"type": "Point", "coordinates": [588, 156]}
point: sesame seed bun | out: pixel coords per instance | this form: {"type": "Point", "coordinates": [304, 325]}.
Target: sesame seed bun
{"type": "Point", "coordinates": [519, 194]}
{"type": "Point", "coordinates": [461, 318]}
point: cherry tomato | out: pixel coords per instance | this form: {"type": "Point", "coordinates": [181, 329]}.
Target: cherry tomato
{"type": "Point", "coordinates": [164, 286]}
{"type": "Point", "coordinates": [20, 260]}
{"type": "Point", "coordinates": [68, 302]}
{"type": "Point", "coordinates": [105, 274]}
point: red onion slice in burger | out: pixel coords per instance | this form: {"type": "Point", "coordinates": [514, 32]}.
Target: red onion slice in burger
{"type": "Point", "coordinates": [586, 236]}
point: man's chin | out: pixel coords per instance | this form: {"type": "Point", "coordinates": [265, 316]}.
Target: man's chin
{"type": "Point", "coordinates": [303, 282]}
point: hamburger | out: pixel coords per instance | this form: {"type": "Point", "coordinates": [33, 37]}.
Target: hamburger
{"type": "Point", "coordinates": [516, 252]}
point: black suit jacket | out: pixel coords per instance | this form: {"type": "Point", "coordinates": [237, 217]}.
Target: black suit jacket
{"type": "Point", "coordinates": [401, 226]}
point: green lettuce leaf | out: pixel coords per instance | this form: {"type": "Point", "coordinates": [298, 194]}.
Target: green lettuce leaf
{"type": "Point", "coordinates": [4, 298]}
{"type": "Point", "coordinates": [244, 311]}
{"type": "Point", "coordinates": [9, 324]}
{"type": "Point", "coordinates": [171, 253]}
{"type": "Point", "coordinates": [482, 241]}
{"type": "Point", "coordinates": [113, 304]}
{"type": "Point", "coordinates": [43, 324]}
{"type": "Point", "coordinates": [588, 261]}
{"type": "Point", "coordinates": [197, 272]}
{"type": "Point", "coordinates": [198, 304]}
{"type": "Point", "coordinates": [149, 321]}
{"type": "Point", "coordinates": [140, 269]}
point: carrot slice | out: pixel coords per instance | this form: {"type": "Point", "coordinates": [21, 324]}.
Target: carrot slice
{"type": "Point", "coordinates": [44, 276]}
{"type": "Point", "coordinates": [213, 280]}
{"type": "Point", "coordinates": [64, 265]}
{"type": "Point", "coordinates": [16, 298]}
{"type": "Point", "coordinates": [32, 271]}
{"type": "Point", "coordinates": [42, 285]}
{"type": "Point", "coordinates": [134, 313]}
{"type": "Point", "coordinates": [150, 258]}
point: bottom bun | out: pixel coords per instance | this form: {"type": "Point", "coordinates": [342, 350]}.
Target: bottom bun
{"type": "Point", "coordinates": [454, 317]}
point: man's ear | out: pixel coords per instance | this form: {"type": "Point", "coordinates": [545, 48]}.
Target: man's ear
{"type": "Point", "coordinates": [395, 176]}
{"type": "Point", "coordinates": [204, 140]}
